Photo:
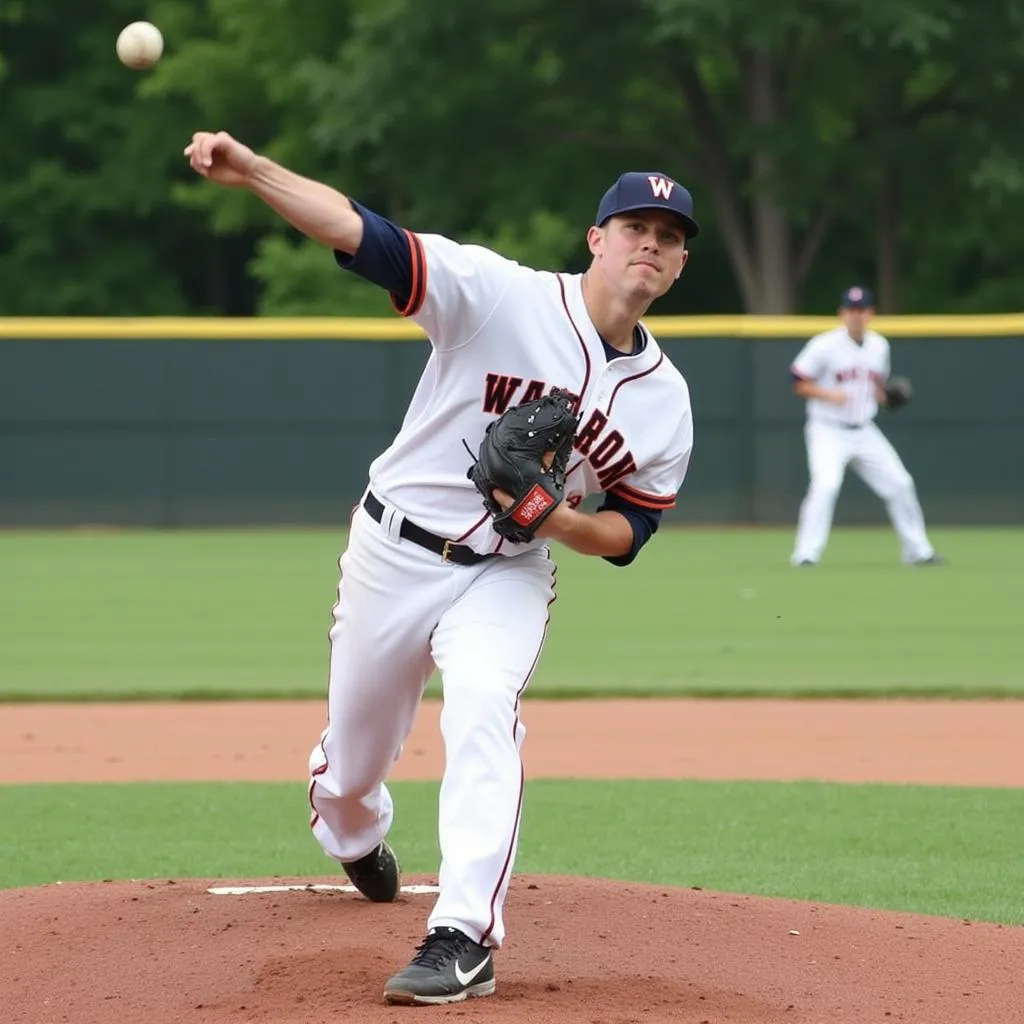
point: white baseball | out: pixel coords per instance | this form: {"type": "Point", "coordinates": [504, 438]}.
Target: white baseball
{"type": "Point", "coordinates": [140, 45]}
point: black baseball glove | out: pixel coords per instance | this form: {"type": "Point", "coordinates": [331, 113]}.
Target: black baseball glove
{"type": "Point", "coordinates": [525, 453]}
{"type": "Point", "coordinates": [897, 392]}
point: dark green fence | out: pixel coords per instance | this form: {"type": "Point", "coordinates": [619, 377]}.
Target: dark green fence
{"type": "Point", "coordinates": [148, 428]}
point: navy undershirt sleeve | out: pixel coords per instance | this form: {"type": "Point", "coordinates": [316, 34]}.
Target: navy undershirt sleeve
{"type": "Point", "coordinates": [383, 257]}
{"type": "Point", "coordinates": [645, 522]}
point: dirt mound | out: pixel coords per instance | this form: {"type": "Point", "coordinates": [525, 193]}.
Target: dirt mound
{"type": "Point", "coordinates": [580, 951]}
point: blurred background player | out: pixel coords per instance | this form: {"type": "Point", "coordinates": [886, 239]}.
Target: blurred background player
{"type": "Point", "coordinates": [842, 373]}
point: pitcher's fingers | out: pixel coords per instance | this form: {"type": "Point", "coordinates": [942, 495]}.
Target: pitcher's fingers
{"type": "Point", "coordinates": [202, 150]}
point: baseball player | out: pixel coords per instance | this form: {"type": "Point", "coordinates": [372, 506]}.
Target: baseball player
{"type": "Point", "coordinates": [844, 374]}
{"type": "Point", "coordinates": [430, 577]}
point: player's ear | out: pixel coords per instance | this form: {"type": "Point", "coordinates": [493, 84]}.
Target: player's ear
{"type": "Point", "coordinates": [595, 240]}
{"type": "Point", "coordinates": [682, 263]}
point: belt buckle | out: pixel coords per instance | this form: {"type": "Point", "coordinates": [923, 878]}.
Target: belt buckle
{"type": "Point", "coordinates": [446, 551]}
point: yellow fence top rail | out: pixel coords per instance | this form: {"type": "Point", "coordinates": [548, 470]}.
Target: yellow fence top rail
{"type": "Point", "coordinates": [394, 329]}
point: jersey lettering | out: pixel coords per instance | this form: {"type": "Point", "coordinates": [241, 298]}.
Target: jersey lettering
{"type": "Point", "coordinates": [534, 390]}
{"type": "Point", "coordinates": [591, 432]}
{"type": "Point", "coordinates": [606, 449]}
{"type": "Point", "coordinates": [611, 475]}
{"type": "Point", "coordinates": [498, 392]}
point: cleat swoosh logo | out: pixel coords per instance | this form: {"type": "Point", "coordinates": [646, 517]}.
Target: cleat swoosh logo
{"type": "Point", "coordinates": [467, 977]}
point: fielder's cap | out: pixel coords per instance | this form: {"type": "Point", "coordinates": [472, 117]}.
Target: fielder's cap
{"type": "Point", "coordinates": [856, 298]}
{"type": "Point", "coordinates": [648, 190]}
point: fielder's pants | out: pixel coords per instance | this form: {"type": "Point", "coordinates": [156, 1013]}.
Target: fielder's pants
{"type": "Point", "coordinates": [866, 450]}
{"type": "Point", "coordinates": [401, 611]}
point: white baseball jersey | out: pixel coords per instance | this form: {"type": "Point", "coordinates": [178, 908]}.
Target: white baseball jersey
{"type": "Point", "coordinates": [503, 334]}
{"type": "Point", "coordinates": [834, 360]}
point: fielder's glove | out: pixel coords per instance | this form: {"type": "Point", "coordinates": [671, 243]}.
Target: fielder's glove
{"type": "Point", "coordinates": [897, 392]}
{"type": "Point", "coordinates": [525, 453]}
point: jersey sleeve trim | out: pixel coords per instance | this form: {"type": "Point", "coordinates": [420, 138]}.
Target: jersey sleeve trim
{"type": "Point", "coordinates": [642, 498]}
{"type": "Point", "coordinates": [418, 291]}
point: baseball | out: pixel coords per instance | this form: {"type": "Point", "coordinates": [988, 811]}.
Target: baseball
{"type": "Point", "coordinates": [140, 45]}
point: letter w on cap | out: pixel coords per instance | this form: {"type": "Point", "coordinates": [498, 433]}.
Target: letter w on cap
{"type": "Point", "coordinates": [661, 187]}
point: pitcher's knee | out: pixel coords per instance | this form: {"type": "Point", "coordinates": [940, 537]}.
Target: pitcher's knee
{"type": "Point", "coordinates": [326, 784]}
{"type": "Point", "coordinates": [479, 709]}
{"type": "Point", "coordinates": [346, 782]}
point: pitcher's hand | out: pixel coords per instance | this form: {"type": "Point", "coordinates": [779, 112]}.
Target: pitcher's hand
{"type": "Point", "coordinates": [221, 158]}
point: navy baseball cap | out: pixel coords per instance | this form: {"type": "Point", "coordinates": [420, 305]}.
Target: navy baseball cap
{"type": "Point", "coordinates": [648, 190]}
{"type": "Point", "coordinates": [856, 298]}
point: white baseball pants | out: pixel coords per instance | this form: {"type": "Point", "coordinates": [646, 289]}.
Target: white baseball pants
{"type": "Point", "coordinates": [401, 611]}
{"type": "Point", "coordinates": [830, 449]}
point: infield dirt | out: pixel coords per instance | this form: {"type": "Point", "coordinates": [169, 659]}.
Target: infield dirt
{"type": "Point", "coordinates": [580, 951]}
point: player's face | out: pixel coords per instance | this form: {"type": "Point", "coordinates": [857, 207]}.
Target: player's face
{"type": "Point", "coordinates": [640, 253]}
{"type": "Point", "coordinates": [856, 319]}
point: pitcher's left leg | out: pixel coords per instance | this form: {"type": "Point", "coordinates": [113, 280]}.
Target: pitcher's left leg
{"type": "Point", "coordinates": [881, 468]}
{"type": "Point", "coordinates": [486, 647]}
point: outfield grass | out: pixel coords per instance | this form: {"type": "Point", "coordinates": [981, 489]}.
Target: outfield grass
{"type": "Point", "coordinates": [949, 851]}
{"type": "Point", "coordinates": [136, 614]}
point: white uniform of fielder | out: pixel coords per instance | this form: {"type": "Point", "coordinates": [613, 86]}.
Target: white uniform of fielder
{"type": "Point", "coordinates": [845, 368]}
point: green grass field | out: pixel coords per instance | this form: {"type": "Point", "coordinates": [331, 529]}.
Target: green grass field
{"type": "Point", "coordinates": [199, 614]}
{"type": "Point", "coordinates": [137, 614]}
{"type": "Point", "coordinates": [954, 852]}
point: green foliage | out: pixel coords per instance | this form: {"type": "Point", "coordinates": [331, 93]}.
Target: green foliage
{"type": "Point", "coordinates": [85, 167]}
{"type": "Point", "coordinates": [304, 280]}
{"type": "Point", "coordinates": [503, 124]}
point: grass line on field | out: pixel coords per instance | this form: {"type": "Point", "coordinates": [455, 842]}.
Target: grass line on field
{"type": "Point", "coordinates": [949, 851]}
{"type": "Point", "coordinates": [549, 692]}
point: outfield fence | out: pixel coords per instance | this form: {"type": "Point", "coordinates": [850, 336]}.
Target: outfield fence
{"type": "Point", "coordinates": [167, 422]}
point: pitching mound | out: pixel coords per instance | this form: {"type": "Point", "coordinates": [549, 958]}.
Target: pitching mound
{"type": "Point", "coordinates": [580, 952]}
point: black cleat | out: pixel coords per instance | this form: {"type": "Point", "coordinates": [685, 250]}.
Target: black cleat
{"type": "Point", "coordinates": [806, 563]}
{"type": "Point", "coordinates": [934, 560]}
{"type": "Point", "coordinates": [377, 875]}
{"type": "Point", "coordinates": [447, 968]}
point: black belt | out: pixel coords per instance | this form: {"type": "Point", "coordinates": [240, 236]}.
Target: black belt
{"type": "Point", "coordinates": [449, 551]}
{"type": "Point", "coordinates": [853, 426]}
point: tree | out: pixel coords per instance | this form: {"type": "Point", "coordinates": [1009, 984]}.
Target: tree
{"type": "Point", "coordinates": [824, 140]}
{"type": "Point", "coordinates": [86, 222]}
{"type": "Point", "coordinates": [246, 67]}
{"type": "Point", "coordinates": [790, 113]}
